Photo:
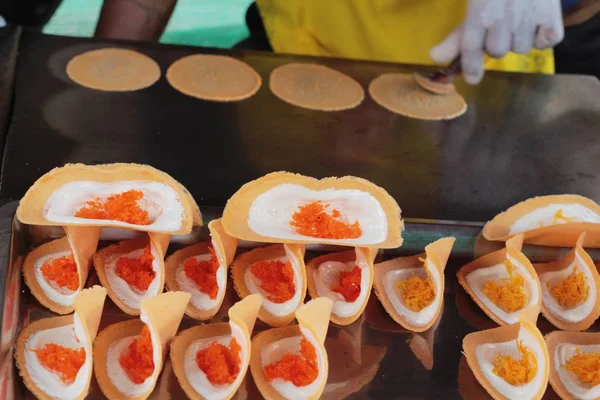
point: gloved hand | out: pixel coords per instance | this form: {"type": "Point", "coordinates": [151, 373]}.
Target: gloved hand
{"type": "Point", "coordinates": [497, 27]}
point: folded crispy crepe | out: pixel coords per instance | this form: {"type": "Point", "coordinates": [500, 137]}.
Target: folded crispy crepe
{"type": "Point", "coordinates": [54, 355]}
{"type": "Point", "coordinates": [411, 289]}
{"type": "Point", "coordinates": [502, 283]}
{"type": "Point", "coordinates": [143, 283]}
{"type": "Point", "coordinates": [56, 272]}
{"type": "Point", "coordinates": [209, 262]}
{"type": "Point", "coordinates": [305, 341]}
{"type": "Point", "coordinates": [510, 361]}
{"type": "Point", "coordinates": [232, 340]}
{"type": "Point", "coordinates": [283, 207]}
{"type": "Point", "coordinates": [281, 280]}
{"type": "Point", "coordinates": [556, 220]}
{"type": "Point", "coordinates": [129, 196]}
{"type": "Point", "coordinates": [570, 290]}
{"type": "Point", "coordinates": [346, 278]}
{"type": "Point", "coordinates": [139, 344]}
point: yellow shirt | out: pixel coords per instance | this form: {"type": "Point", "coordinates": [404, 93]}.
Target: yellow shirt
{"type": "Point", "coordinates": [400, 31]}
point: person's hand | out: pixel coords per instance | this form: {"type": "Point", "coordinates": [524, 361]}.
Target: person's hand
{"type": "Point", "coordinates": [497, 27]}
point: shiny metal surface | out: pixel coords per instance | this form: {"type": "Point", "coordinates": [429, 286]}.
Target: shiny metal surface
{"type": "Point", "coordinates": [374, 358]}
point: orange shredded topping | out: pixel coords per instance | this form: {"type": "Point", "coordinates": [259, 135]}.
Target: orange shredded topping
{"type": "Point", "coordinates": [417, 292]}
{"type": "Point", "coordinates": [507, 293]}
{"type": "Point", "coordinates": [349, 284]}
{"type": "Point", "coordinates": [313, 220]}
{"type": "Point", "coordinates": [586, 367]}
{"type": "Point", "coordinates": [204, 273]}
{"type": "Point", "coordinates": [122, 207]}
{"type": "Point", "coordinates": [61, 360]}
{"type": "Point", "coordinates": [276, 278]}
{"type": "Point", "coordinates": [300, 369]}
{"type": "Point", "coordinates": [137, 272]}
{"type": "Point", "coordinates": [558, 215]}
{"type": "Point", "coordinates": [516, 372]}
{"type": "Point", "coordinates": [62, 271]}
{"type": "Point", "coordinates": [572, 290]}
{"type": "Point", "coordinates": [138, 362]}
{"type": "Point", "coordinates": [220, 364]}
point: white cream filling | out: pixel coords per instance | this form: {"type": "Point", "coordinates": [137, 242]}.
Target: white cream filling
{"type": "Point", "coordinates": [117, 374]}
{"type": "Point", "coordinates": [486, 355]}
{"type": "Point", "coordinates": [274, 351]}
{"type": "Point", "coordinates": [70, 336]}
{"type": "Point", "coordinates": [271, 212]}
{"type": "Point", "coordinates": [59, 295]}
{"type": "Point", "coordinates": [287, 307]}
{"type": "Point", "coordinates": [394, 294]}
{"type": "Point", "coordinates": [476, 280]}
{"type": "Point", "coordinates": [579, 312]}
{"type": "Point", "coordinates": [563, 353]}
{"type": "Point", "coordinates": [200, 299]}
{"type": "Point", "coordinates": [326, 277]}
{"type": "Point", "coordinates": [198, 378]}
{"type": "Point", "coordinates": [164, 206]}
{"type": "Point", "coordinates": [544, 216]}
{"type": "Point", "coordinates": [130, 296]}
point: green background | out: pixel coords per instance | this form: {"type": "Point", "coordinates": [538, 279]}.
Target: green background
{"type": "Point", "coordinates": [210, 23]}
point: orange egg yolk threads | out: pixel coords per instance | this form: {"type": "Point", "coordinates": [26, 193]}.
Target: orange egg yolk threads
{"type": "Point", "coordinates": [349, 284]}
{"type": "Point", "coordinates": [586, 367]}
{"type": "Point", "coordinates": [63, 361]}
{"type": "Point", "coordinates": [137, 272]}
{"type": "Point", "coordinates": [313, 220]}
{"type": "Point", "coordinates": [571, 291]}
{"type": "Point", "coordinates": [276, 278]}
{"type": "Point", "coordinates": [516, 372]}
{"type": "Point", "coordinates": [204, 273]}
{"type": "Point", "coordinates": [62, 271]}
{"type": "Point", "coordinates": [300, 369]}
{"type": "Point", "coordinates": [417, 292]}
{"type": "Point", "coordinates": [507, 293]}
{"type": "Point", "coordinates": [221, 364]}
{"type": "Point", "coordinates": [138, 361]}
{"type": "Point", "coordinates": [559, 216]}
{"type": "Point", "coordinates": [122, 207]}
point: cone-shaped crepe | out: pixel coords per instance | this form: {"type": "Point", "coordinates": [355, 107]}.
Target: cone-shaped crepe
{"type": "Point", "coordinates": [411, 289]}
{"type": "Point", "coordinates": [278, 274]}
{"type": "Point", "coordinates": [283, 207]}
{"type": "Point", "coordinates": [133, 270]}
{"type": "Point", "coordinates": [555, 220]}
{"type": "Point", "coordinates": [129, 355]}
{"type": "Point", "coordinates": [57, 271]}
{"type": "Point", "coordinates": [274, 350]}
{"type": "Point", "coordinates": [346, 278]}
{"type": "Point", "coordinates": [210, 361]}
{"type": "Point", "coordinates": [54, 355]}
{"type": "Point", "coordinates": [129, 196]}
{"type": "Point", "coordinates": [502, 283]}
{"type": "Point", "coordinates": [510, 362]}
{"type": "Point", "coordinates": [570, 287]}
{"type": "Point", "coordinates": [201, 270]}
{"type": "Point", "coordinates": [574, 360]}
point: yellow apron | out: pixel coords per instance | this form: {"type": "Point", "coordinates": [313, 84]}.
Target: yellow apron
{"type": "Point", "coordinates": [400, 31]}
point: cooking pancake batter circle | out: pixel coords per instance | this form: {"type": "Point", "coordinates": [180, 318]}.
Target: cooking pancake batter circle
{"type": "Point", "coordinates": [315, 87]}
{"type": "Point", "coordinates": [212, 77]}
{"type": "Point", "coordinates": [400, 94]}
{"type": "Point", "coordinates": [113, 70]}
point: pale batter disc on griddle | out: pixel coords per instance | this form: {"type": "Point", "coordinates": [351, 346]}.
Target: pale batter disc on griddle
{"type": "Point", "coordinates": [400, 94]}
{"type": "Point", "coordinates": [210, 77]}
{"type": "Point", "coordinates": [113, 70]}
{"type": "Point", "coordinates": [315, 87]}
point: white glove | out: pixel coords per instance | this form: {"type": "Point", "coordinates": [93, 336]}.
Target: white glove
{"type": "Point", "coordinates": [497, 27]}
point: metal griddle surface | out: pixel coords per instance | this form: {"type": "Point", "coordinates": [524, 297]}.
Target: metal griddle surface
{"type": "Point", "coordinates": [523, 135]}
